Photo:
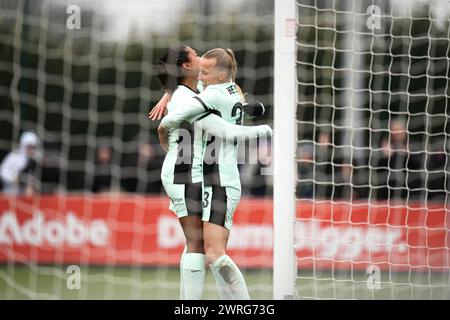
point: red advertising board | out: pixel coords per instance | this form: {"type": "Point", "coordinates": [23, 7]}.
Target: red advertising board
{"type": "Point", "coordinates": [357, 235]}
{"type": "Point", "coordinates": [133, 230]}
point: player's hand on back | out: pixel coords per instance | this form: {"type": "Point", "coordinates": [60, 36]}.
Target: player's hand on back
{"type": "Point", "coordinates": [160, 109]}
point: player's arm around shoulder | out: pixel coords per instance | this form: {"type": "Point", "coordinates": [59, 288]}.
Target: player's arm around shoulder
{"type": "Point", "coordinates": [216, 126]}
{"type": "Point", "coordinates": [187, 110]}
{"type": "Point", "coordinates": [211, 98]}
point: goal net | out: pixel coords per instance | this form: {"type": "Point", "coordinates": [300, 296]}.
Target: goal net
{"type": "Point", "coordinates": [372, 150]}
{"type": "Point", "coordinates": [78, 74]}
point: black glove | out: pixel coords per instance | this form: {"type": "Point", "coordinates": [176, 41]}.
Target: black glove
{"type": "Point", "coordinates": [253, 109]}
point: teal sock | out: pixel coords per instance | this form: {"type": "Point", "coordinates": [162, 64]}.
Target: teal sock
{"type": "Point", "coordinates": [225, 267]}
{"type": "Point", "coordinates": [193, 275]}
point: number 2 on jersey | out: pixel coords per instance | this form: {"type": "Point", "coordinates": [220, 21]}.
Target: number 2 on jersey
{"type": "Point", "coordinates": [234, 112]}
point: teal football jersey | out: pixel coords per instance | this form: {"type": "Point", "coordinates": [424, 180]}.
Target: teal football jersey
{"type": "Point", "coordinates": [216, 161]}
{"type": "Point", "coordinates": [182, 143]}
{"type": "Point", "coordinates": [220, 155]}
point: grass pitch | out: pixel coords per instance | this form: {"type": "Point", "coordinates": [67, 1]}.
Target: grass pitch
{"type": "Point", "coordinates": [112, 282]}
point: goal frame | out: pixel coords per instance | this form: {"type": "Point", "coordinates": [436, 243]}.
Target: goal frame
{"type": "Point", "coordinates": [285, 102]}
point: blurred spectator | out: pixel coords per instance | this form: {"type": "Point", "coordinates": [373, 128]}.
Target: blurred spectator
{"type": "Point", "coordinates": [332, 173]}
{"type": "Point", "coordinates": [263, 178]}
{"type": "Point", "coordinates": [141, 169]}
{"type": "Point", "coordinates": [50, 170]}
{"type": "Point", "coordinates": [305, 166]}
{"type": "Point", "coordinates": [349, 177]}
{"type": "Point", "coordinates": [103, 172]}
{"type": "Point", "coordinates": [323, 169]}
{"type": "Point", "coordinates": [17, 170]}
{"type": "Point", "coordinates": [342, 180]}
{"type": "Point", "coordinates": [438, 173]}
{"type": "Point", "coordinates": [256, 174]}
{"type": "Point", "coordinates": [359, 177]}
{"type": "Point", "coordinates": [393, 164]}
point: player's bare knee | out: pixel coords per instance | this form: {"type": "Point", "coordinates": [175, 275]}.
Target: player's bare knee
{"type": "Point", "coordinates": [195, 246]}
{"type": "Point", "coordinates": [212, 252]}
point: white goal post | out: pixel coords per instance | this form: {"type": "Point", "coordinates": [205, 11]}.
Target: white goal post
{"type": "Point", "coordinates": [285, 103]}
{"type": "Point", "coordinates": [361, 149]}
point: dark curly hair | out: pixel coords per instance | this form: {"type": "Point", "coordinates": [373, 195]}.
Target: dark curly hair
{"type": "Point", "coordinates": [168, 67]}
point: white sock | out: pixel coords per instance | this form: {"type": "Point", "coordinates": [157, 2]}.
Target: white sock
{"type": "Point", "coordinates": [181, 275]}
{"type": "Point", "coordinates": [224, 291]}
{"type": "Point", "coordinates": [192, 276]}
{"type": "Point", "coordinates": [225, 268]}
